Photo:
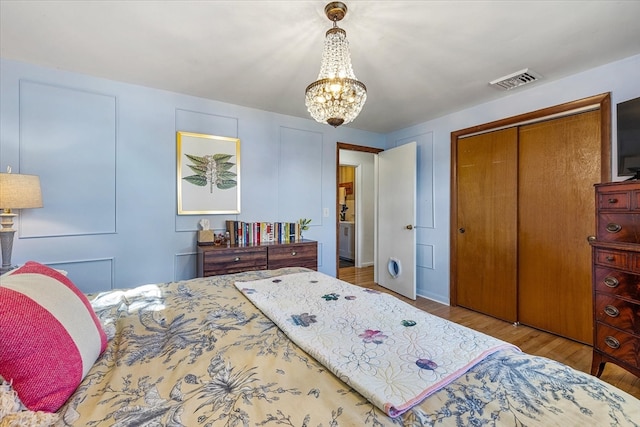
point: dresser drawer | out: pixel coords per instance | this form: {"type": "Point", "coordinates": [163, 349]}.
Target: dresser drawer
{"type": "Point", "coordinates": [620, 345]}
{"type": "Point", "coordinates": [234, 260]}
{"type": "Point", "coordinates": [614, 200]}
{"type": "Point", "coordinates": [614, 227]}
{"type": "Point", "coordinates": [623, 315]}
{"type": "Point", "coordinates": [635, 200]}
{"type": "Point", "coordinates": [612, 258]}
{"type": "Point", "coordinates": [293, 255]}
{"type": "Point", "coordinates": [614, 282]}
{"type": "Point", "coordinates": [635, 262]}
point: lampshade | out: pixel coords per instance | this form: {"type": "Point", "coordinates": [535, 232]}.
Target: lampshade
{"type": "Point", "coordinates": [19, 191]}
{"type": "Point", "coordinates": [337, 97]}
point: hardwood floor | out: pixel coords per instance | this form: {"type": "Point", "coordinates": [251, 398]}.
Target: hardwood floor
{"type": "Point", "coordinates": [530, 340]}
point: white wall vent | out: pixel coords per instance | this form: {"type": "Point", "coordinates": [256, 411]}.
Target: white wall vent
{"type": "Point", "coordinates": [516, 79]}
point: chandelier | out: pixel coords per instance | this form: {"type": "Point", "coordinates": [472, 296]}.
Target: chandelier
{"type": "Point", "coordinates": [337, 96]}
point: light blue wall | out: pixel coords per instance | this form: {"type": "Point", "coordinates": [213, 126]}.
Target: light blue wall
{"type": "Point", "coordinates": [106, 155]}
{"type": "Point", "coordinates": [120, 144]}
{"type": "Point", "coordinates": [620, 78]}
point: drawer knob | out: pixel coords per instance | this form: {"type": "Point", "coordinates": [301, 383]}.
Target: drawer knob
{"type": "Point", "coordinates": [613, 227]}
{"type": "Point", "coordinates": [610, 258]}
{"type": "Point", "coordinates": [611, 311]}
{"type": "Point", "coordinates": [612, 342]}
{"type": "Point", "coordinates": [611, 282]}
{"type": "Point", "coordinates": [236, 259]}
{"type": "Point", "coordinates": [294, 253]}
{"type": "Point", "coordinates": [612, 200]}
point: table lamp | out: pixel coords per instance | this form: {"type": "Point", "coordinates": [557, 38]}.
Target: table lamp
{"type": "Point", "coordinates": [17, 191]}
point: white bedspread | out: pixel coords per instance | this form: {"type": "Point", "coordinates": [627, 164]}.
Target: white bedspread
{"type": "Point", "coordinates": [392, 353]}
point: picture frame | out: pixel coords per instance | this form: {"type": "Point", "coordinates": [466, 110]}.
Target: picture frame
{"type": "Point", "coordinates": [208, 174]}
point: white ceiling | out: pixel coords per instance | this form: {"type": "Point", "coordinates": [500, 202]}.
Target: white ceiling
{"type": "Point", "coordinates": [419, 59]}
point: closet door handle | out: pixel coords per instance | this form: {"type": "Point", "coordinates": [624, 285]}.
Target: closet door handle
{"type": "Point", "coordinates": [461, 230]}
{"type": "Point", "coordinates": [409, 227]}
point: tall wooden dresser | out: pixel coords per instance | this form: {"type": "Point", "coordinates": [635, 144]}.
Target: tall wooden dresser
{"type": "Point", "coordinates": [616, 277]}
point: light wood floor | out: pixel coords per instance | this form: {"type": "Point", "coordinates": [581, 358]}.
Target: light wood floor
{"type": "Point", "coordinates": [528, 339]}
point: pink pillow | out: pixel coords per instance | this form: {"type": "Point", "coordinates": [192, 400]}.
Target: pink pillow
{"type": "Point", "coordinates": [49, 335]}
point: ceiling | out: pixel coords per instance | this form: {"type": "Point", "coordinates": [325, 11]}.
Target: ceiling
{"type": "Point", "coordinates": [419, 59]}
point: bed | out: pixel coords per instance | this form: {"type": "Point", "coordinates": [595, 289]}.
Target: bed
{"type": "Point", "coordinates": [201, 353]}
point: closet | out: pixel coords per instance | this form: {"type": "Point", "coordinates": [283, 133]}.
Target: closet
{"type": "Point", "coordinates": [522, 210]}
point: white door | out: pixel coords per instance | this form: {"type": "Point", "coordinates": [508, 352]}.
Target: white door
{"type": "Point", "coordinates": [395, 220]}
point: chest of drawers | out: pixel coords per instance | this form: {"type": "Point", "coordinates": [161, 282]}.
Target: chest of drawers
{"type": "Point", "coordinates": [616, 277]}
{"type": "Point", "coordinates": [215, 260]}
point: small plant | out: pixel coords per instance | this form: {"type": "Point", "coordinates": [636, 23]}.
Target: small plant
{"type": "Point", "coordinates": [304, 223]}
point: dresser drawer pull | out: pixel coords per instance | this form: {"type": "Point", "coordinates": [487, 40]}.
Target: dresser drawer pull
{"type": "Point", "coordinates": [612, 342]}
{"type": "Point", "coordinates": [612, 200]}
{"type": "Point", "coordinates": [611, 282]}
{"type": "Point", "coordinates": [294, 253]}
{"type": "Point", "coordinates": [613, 227]}
{"type": "Point", "coordinates": [610, 258]}
{"type": "Point", "coordinates": [236, 259]}
{"type": "Point", "coordinates": [611, 311]}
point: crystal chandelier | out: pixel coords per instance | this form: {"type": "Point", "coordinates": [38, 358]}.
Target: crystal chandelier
{"type": "Point", "coordinates": [337, 96]}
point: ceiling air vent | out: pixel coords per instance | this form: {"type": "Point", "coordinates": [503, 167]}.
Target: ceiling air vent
{"type": "Point", "coordinates": [516, 79]}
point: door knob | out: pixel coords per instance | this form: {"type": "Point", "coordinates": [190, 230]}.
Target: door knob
{"type": "Point", "coordinates": [461, 230]}
{"type": "Point", "coordinates": [409, 227]}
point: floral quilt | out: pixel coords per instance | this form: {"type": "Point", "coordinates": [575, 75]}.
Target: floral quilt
{"type": "Point", "coordinates": [198, 353]}
{"type": "Point", "coordinates": [392, 353]}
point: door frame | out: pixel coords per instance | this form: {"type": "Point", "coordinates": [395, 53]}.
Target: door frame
{"type": "Point", "coordinates": [601, 102]}
{"type": "Point", "coordinates": [351, 147]}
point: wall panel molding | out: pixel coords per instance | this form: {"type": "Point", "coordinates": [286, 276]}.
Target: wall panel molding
{"type": "Point", "coordinates": [185, 266]}
{"type": "Point", "coordinates": [300, 162]}
{"type": "Point", "coordinates": [89, 275]}
{"type": "Point", "coordinates": [208, 124]}
{"type": "Point", "coordinates": [424, 256]}
{"type": "Point", "coordinates": [68, 138]}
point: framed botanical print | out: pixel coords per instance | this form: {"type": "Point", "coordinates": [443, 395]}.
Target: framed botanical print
{"type": "Point", "coordinates": [208, 174]}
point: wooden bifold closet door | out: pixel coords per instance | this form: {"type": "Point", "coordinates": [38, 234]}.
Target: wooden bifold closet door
{"type": "Point", "coordinates": [487, 219]}
{"type": "Point", "coordinates": [524, 212]}
{"type": "Point", "coordinates": [559, 162]}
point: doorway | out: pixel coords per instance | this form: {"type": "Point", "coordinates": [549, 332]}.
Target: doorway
{"type": "Point", "coordinates": [392, 210]}
{"type": "Point", "coordinates": [348, 189]}
{"type": "Point", "coordinates": [360, 203]}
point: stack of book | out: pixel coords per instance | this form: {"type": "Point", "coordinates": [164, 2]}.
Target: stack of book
{"type": "Point", "coordinates": [254, 233]}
